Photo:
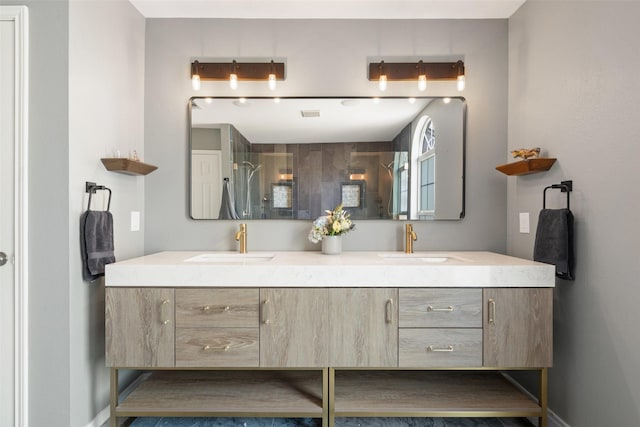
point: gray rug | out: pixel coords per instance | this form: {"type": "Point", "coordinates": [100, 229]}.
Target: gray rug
{"type": "Point", "coordinates": [340, 422]}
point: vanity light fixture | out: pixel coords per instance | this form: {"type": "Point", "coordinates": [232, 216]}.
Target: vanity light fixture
{"type": "Point", "coordinates": [422, 77]}
{"type": "Point", "coordinates": [234, 72]}
{"type": "Point", "coordinates": [460, 77]}
{"type": "Point", "coordinates": [195, 75]}
{"type": "Point", "coordinates": [420, 71]}
{"type": "Point", "coordinates": [233, 76]}
{"type": "Point", "coordinates": [382, 77]}
{"type": "Point", "coordinates": [272, 77]}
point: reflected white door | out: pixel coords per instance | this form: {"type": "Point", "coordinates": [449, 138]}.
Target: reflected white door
{"type": "Point", "coordinates": [206, 183]}
{"type": "Point", "coordinates": [7, 185]}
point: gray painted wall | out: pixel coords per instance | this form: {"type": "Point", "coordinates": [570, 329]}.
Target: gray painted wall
{"type": "Point", "coordinates": [324, 58]}
{"type": "Point", "coordinates": [573, 91]}
{"type": "Point", "coordinates": [106, 103]}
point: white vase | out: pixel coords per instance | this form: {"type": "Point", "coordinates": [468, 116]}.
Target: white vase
{"type": "Point", "coordinates": [332, 245]}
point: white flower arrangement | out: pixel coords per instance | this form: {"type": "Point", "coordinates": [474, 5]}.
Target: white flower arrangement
{"type": "Point", "coordinates": [335, 223]}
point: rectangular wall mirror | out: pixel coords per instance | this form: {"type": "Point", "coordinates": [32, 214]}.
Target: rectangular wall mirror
{"type": "Point", "coordinates": [294, 158]}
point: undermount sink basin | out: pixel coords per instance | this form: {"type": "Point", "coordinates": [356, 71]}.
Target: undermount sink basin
{"type": "Point", "coordinates": [230, 258]}
{"type": "Point", "coordinates": [415, 258]}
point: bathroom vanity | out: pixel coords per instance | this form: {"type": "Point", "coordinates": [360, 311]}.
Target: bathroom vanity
{"type": "Point", "coordinates": [300, 334]}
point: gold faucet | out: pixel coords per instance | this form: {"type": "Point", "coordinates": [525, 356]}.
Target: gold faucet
{"type": "Point", "coordinates": [409, 237]}
{"type": "Point", "coordinates": [241, 236]}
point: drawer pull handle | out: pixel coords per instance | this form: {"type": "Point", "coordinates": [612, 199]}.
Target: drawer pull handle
{"type": "Point", "coordinates": [209, 348]}
{"type": "Point", "coordinates": [388, 315]}
{"type": "Point", "coordinates": [432, 308]}
{"type": "Point", "coordinates": [440, 349]}
{"type": "Point", "coordinates": [164, 318]}
{"type": "Point", "coordinates": [208, 308]}
{"type": "Point", "coordinates": [492, 311]}
{"type": "Point", "coordinates": [264, 318]}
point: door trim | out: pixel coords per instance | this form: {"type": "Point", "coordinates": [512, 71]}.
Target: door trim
{"type": "Point", "coordinates": [20, 16]}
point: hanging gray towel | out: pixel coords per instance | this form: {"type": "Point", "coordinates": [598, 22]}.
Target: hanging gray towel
{"type": "Point", "coordinates": [96, 243]}
{"type": "Point", "coordinates": [227, 209]}
{"type": "Point", "coordinates": [554, 241]}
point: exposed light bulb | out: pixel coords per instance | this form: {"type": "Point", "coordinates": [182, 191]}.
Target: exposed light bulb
{"type": "Point", "coordinates": [276, 100]}
{"type": "Point", "coordinates": [412, 100]}
{"type": "Point", "coordinates": [382, 83]}
{"type": "Point", "coordinates": [460, 83]}
{"type": "Point", "coordinates": [446, 100]}
{"type": "Point", "coordinates": [233, 81]}
{"type": "Point", "coordinates": [272, 81]}
{"type": "Point", "coordinates": [195, 82]}
{"type": "Point", "coordinates": [422, 82]}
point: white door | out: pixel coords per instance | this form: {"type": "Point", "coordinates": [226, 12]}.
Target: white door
{"type": "Point", "coordinates": [206, 183]}
{"type": "Point", "coordinates": [7, 298]}
{"type": "Point", "coordinates": [12, 207]}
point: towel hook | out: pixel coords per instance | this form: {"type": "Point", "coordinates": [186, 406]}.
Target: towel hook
{"type": "Point", "coordinates": [91, 188]}
{"type": "Point", "coordinates": [564, 186]}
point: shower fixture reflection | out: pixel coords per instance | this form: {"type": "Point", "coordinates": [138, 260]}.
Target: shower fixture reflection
{"type": "Point", "coordinates": [251, 170]}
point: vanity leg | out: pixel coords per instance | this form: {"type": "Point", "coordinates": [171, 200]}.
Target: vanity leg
{"type": "Point", "coordinates": [542, 421]}
{"type": "Point", "coordinates": [325, 397]}
{"type": "Point", "coordinates": [332, 397]}
{"type": "Point", "coordinates": [113, 420]}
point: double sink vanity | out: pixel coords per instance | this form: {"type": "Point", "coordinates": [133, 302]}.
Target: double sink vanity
{"type": "Point", "coordinates": [301, 334]}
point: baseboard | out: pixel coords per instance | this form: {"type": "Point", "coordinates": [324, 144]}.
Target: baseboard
{"type": "Point", "coordinates": [103, 416]}
{"type": "Point", "coordinates": [101, 419]}
{"type": "Point", "coordinates": [553, 420]}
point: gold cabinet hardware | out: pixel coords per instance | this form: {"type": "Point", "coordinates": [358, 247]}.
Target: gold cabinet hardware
{"type": "Point", "coordinates": [264, 318]}
{"type": "Point", "coordinates": [388, 315]}
{"type": "Point", "coordinates": [208, 308]}
{"type": "Point", "coordinates": [209, 348]}
{"type": "Point", "coordinates": [431, 308]}
{"type": "Point", "coordinates": [448, 348]}
{"type": "Point", "coordinates": [492, 311]}
{"type": "Point", "coordinates": [165, 318]}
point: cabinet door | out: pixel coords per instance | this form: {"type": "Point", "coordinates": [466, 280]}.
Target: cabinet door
{"type": "Point", "coordinates": [139, 327]}
{"type": "Point", "coordinates": [518, 327]}
{"type": "Point", "coordinates": [293, 327]}
{"type": "Point", "coordinates": [363, 325]}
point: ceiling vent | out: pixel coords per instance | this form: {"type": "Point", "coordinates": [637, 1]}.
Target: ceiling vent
{"type": "Point", "coordinates": [310, 113]}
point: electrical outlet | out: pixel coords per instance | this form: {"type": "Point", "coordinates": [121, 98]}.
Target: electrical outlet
{"type": "Point", "coordinates": [524, 222]}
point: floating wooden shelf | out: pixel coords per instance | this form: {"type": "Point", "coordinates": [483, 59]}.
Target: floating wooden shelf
{"type": "Point", "coordinates": [127, 166]}
{"type": "Point", "coordinates": [525, 167]}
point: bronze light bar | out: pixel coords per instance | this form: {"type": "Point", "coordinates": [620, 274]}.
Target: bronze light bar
{"type": "Point", "coordinates": [221, 71]}
{"type": "Point", "coordinates": [409, 71]}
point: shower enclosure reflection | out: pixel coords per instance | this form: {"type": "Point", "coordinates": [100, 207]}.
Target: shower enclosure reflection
{"type": "Point", "coordinates": [301, 156]}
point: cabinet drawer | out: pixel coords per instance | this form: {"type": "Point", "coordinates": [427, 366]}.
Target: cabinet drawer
{"type": "Point", "coordinates": [433, 308]}
{"type": "Point", "coordinates": [208, 347]}
{"type": "Point", "coordinates": [442, 348]}
{"type": "Point", "coordinates": [232, 308]}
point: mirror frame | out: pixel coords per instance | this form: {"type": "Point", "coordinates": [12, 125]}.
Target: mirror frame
{"type": "Point", "coordinates": [463, 147]}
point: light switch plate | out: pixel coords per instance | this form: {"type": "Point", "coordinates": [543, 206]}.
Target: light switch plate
{"type": "Point", "coordinates": [135, 221]}
{"type": "Point", "coordinates": [524, 222]}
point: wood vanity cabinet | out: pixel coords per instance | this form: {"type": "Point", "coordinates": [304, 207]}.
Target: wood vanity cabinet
{"type": "Point", "coordinates": [217, 328]}
{"type": "Point", "coordinates": [422, 345]}
{"type": "Point", "coordinates": [293, 327]}
{"type": "Point", "coordinates": [518, 327]}
{"type": "Point", "coordinates": [363, 325]}
{"type": "Point", "coordinates": [440, 328]}
{"type": "Point", "coordinates": [139, 327]}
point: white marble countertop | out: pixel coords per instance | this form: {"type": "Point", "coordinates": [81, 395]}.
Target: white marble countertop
{"type": "Point", "coordinates": [313, 269]}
